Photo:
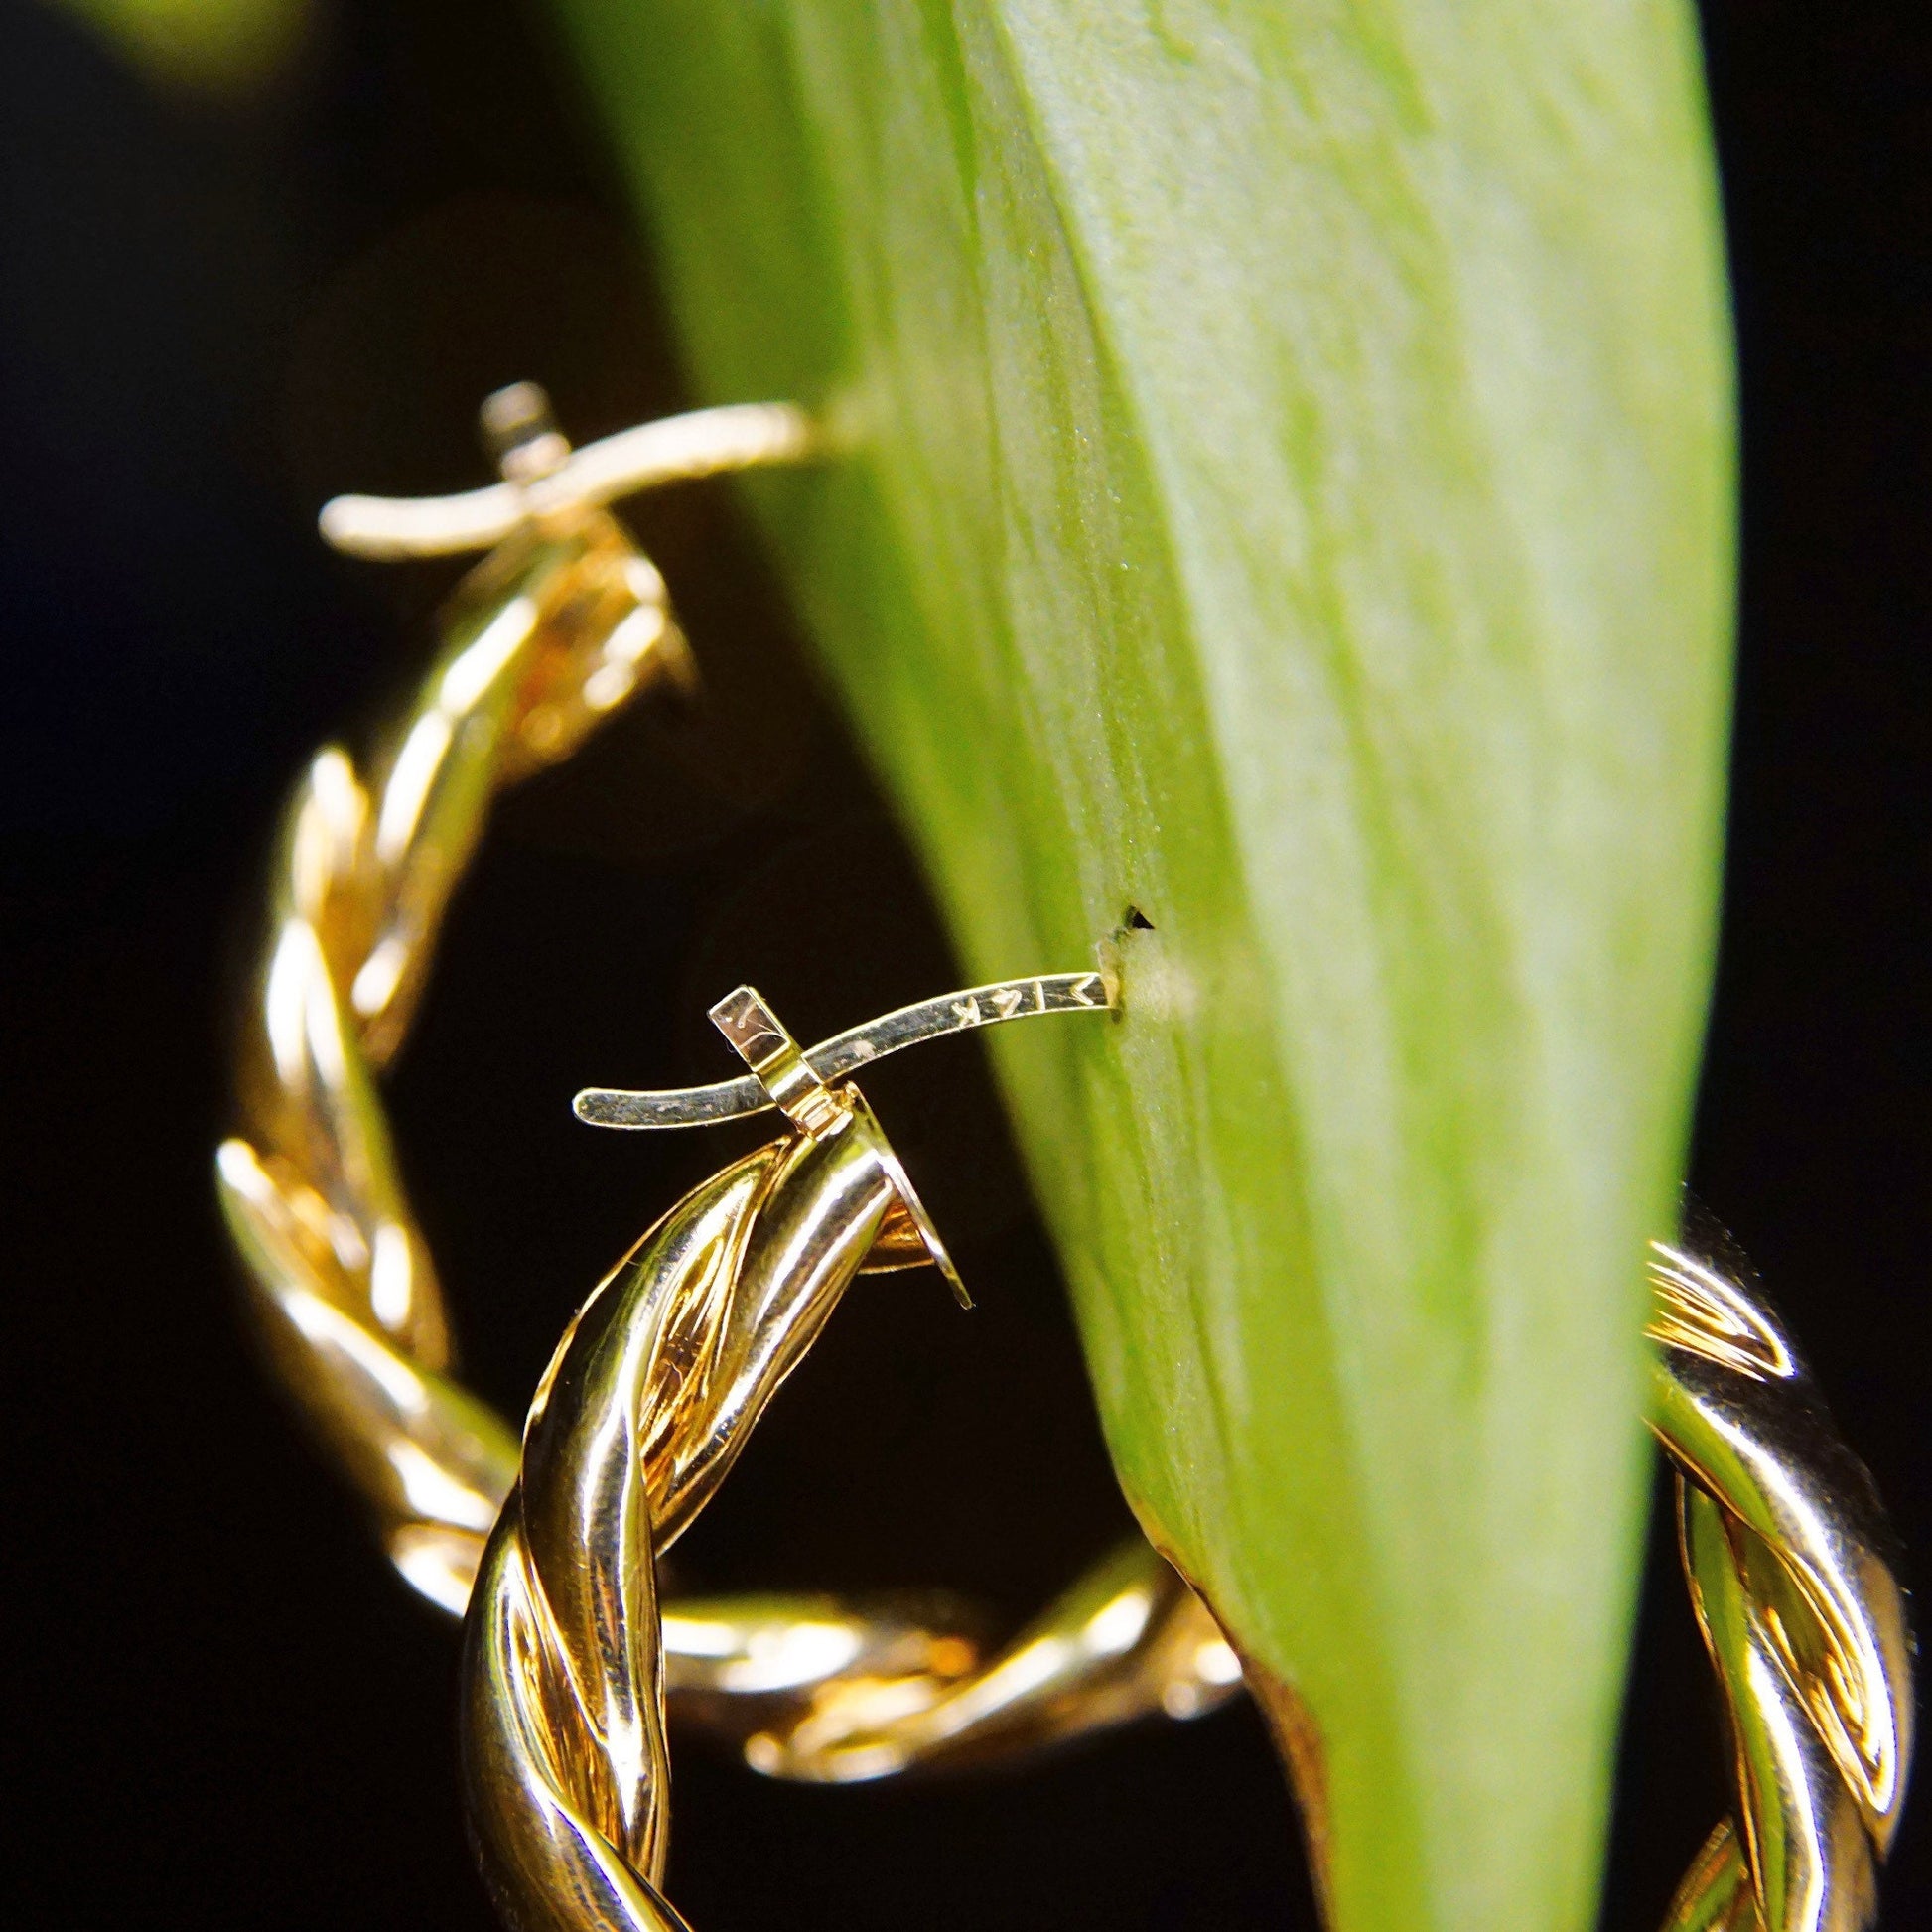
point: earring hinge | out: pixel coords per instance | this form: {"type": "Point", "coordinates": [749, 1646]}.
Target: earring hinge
{"type": "Point", "coordinates": [846, 1053]}
{"type": "Point", "coordinates": [763, 1045]}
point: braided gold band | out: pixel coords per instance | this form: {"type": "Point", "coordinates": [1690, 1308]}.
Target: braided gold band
{"type": "Point", "coordinates": [1784, 1547]}
{"type": "Point", "coordinates": [558, 629]}
{"type": "Point", "coordinates": [645, 1405]}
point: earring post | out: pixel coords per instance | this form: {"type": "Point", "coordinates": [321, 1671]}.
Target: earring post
{"type": "Point", "coordinates": [846, 1053]}
{"type": "Point", "coordinates": [674, 448]}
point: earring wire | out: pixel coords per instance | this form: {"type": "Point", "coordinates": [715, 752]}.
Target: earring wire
{"type": "Point", "coordinates": [846, 1053]}
{"type": "Point", "coordinates": [544, 477]}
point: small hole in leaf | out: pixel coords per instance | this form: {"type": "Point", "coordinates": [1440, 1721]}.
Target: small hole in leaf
{"type": "Point", "coordinates": [1136, 921]}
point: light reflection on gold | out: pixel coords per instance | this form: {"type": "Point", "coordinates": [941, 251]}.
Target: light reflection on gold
{"type": "Point", "coordinates": [345, 1293]}
{"type": "Point", "coordinates": [646, 1406]}
{"type": "Point", "coordinates": [1785, 1549]}
{"type": "Point", "coordinates": [1128, 1641]}
{"type": "Point", "coordinates": [537, 644]}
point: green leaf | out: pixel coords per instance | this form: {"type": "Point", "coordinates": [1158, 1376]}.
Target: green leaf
{"type": "Point", "coordinates": [1289, 493]}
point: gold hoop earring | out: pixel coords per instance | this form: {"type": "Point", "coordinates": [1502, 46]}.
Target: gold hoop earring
{"type": "Point", "coordinates": [563, 624]}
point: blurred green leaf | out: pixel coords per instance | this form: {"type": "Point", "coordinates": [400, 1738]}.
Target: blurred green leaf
{"type": "Point", "coordinates": [1291, 494]}
{"type": "Point", "coordinates": [205, 46]}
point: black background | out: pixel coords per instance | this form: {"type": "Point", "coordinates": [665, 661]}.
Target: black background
{"type": "Point", "coordinates": [226, 1709]}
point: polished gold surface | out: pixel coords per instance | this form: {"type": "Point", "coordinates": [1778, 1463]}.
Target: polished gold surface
{"type": "Point", "coordinates": [640, 1413]}
{"type": "Point", "coordinates": [565, 622]}
{"type": "Point", "coordinates": [1785, 1550]}
{"type": "Point", "coordinates": [1129, 1640]}
{"type": "Point", "coordinates": [644, 1409]}
{"type": "Point", "coordinates": [561, 626]}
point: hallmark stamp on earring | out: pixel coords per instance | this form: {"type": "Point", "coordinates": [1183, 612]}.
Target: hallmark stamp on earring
{"type": "Point", "coordinates": [746, 1021]}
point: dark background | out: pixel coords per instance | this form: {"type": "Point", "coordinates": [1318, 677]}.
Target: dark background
{"type": "Point", "coordinates": [227, 1711]}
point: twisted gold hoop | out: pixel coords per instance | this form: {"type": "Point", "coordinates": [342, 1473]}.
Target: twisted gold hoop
{"type": "Point", "coordinates": [1783, 1546]}
{"type": "Point", "coordinates": [557, 630]}
{"type": "Point", "coordinates": [551, 635]}
{"type": "Point", "coordinates": [646, 1404]}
